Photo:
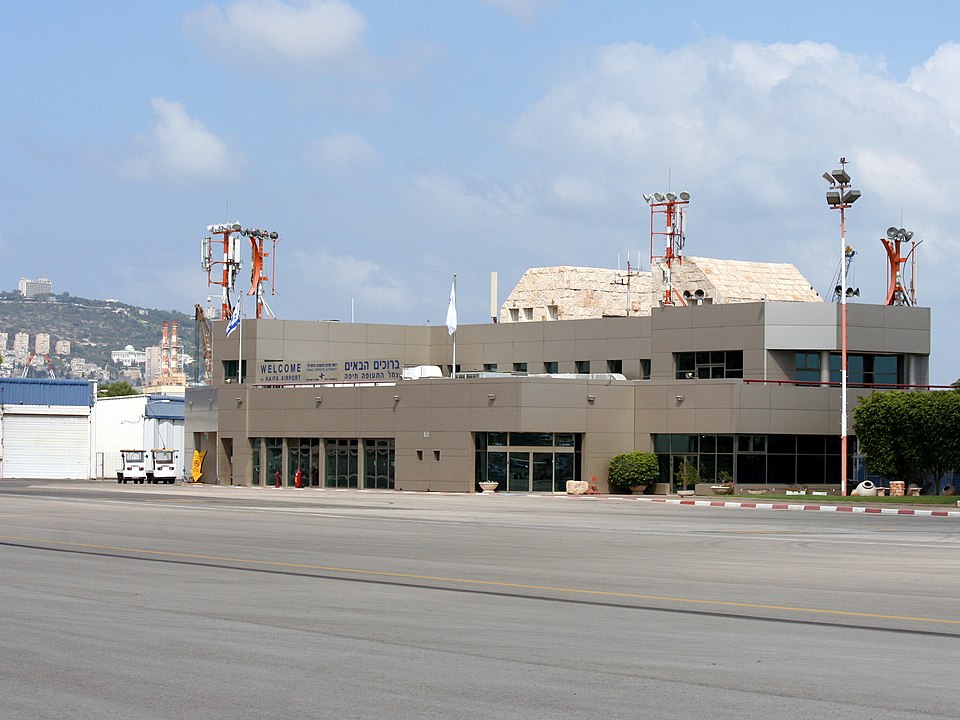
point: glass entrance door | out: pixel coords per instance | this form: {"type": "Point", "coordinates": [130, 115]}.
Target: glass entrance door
{"type": "Point", "coordinates": [531, 472]}
{"type": "Point", "coordinates": [518, 478]}
{"type": "Point", "coordinates": [541, 471]}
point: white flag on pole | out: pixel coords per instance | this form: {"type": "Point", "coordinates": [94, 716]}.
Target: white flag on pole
{"type": "Point", "coordinates": [452, 308]}
{"type": "Point", "coordinates": [235, 318]}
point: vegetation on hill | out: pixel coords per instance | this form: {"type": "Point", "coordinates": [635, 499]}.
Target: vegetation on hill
{"type": "Point", "coordinates": [93, 327]}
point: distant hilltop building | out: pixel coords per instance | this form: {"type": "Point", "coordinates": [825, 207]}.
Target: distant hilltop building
{"type": "Point", "coordinates": [41, 344]}
{"type": "Point", "coordinates": [3, 341]}
{"type": "Point", "coordinates": [127, 357]}
{"type": "Point", "coordinates": [21, 345]}
{"type": "Point", "coordinates": [151, 368]}
{"type": "Point", "coordinates": [31, 288]}
{"type": "Point", "coordinates": [62, 347]}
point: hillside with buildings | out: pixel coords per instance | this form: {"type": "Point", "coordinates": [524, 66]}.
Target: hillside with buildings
{"type": "Point", "coordinates": [103, 340]}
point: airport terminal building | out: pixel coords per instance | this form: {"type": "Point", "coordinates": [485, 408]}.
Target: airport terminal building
{"type": "Point", "coordinates": [740, 377]}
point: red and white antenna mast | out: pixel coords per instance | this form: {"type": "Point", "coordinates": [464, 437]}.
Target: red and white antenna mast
{"type": "Point", "coordinates": [258, 238]}
{"type": "Point", "coordinates": [897, 293]}
{"type": "Point", "coordinates": [672, 238]}
{"type": "Point", "coordinates": [220, 257]}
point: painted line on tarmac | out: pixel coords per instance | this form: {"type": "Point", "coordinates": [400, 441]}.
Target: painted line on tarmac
{"type": "Point", "coordinates": [473, 582]}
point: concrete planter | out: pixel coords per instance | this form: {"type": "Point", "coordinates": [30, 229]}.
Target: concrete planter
{"type": "Point", "coordinates": [488, 487]}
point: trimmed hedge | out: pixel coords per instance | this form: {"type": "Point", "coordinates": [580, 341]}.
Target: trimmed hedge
{"type": "Point", "coordinates": [633, 469]}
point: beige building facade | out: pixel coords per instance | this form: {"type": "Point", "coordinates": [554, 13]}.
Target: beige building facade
{"type": "Point", "coordinates": [746, 389]}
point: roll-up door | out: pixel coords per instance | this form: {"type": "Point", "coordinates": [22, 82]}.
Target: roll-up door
{"type": "Point", "coordinates": [46, 446]}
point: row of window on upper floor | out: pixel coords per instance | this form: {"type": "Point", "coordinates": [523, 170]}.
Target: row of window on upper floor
{"type": "Point", "coordinates": [861, 369]}
{"type": "Point", "coordinates": [582, 367]}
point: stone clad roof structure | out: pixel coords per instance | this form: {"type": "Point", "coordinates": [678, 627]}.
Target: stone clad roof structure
{"type": "Point", "coordinates": [569, 293]}
{"type": "Point", "coordinates": [573, 293]}
{"type": "Point", "coordinates": [733, 281]}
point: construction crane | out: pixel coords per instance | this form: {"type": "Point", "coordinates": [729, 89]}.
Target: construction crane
{"type": "Point", "coordinates": [204, 343]}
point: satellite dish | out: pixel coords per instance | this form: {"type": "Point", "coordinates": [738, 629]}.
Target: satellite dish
{"type": "Point", "coordinates": [685, 196]}
{"type": "Point", "coordinates": [699, 293]}
{"type": "Point", "coordinates": [891, 232]}
{"type": "Point", "coordinates": [274, 235]}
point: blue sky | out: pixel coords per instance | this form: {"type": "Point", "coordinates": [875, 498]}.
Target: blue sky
{"type": "Point", "coordinates": [392, 144]}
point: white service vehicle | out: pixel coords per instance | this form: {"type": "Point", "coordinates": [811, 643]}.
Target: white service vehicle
{"type": "Point", "coordinates": [164, 466]}
{"type": "Point", "coordinates": [134, 466]}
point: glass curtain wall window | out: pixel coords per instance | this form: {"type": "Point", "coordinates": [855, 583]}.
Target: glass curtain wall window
{"type": "Point", "coordinates": [752, 459]}
{"type": "Point", "coordinates": [378, 463]}
{"type": "Point", "coordinates": [303, 454]}
{"type": "Point", "coordinates": [273, 450]}
{"type": "Point", "coordinates": [528, 462]}
{"type": "Point", "coordinates": [255, 460]}
{"type": "Point", "coordinates": [705, 365]}
{"type": "Point", "coordinates": [880, 370]}
{"type": "Point", "coordinates": [342, 461]}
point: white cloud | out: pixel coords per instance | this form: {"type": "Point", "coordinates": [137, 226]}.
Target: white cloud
{"type": "Point", "coordinates": [366, 281]}
{"type": "Point", "coordinates": [179, 149]}
{"type": "Point", "coordinates": [577, 191]}
{"type": "Point", "coordinates": [343, 152]}
{"type": "Point", "coordinates": [269, 34]}
{"type": "Point", "coordinates": [937, 78]}
{"type": "Point", "coordinates": [733, 119]}
{"type": "Point", "coordinates": [523, 11]}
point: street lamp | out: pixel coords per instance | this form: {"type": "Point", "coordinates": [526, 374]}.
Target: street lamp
{"type": "Point", "coordinates": [841, 196]}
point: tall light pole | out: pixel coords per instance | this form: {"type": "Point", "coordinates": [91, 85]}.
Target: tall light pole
{"type": "Point", "coordinates": [673, 207]}
{"type": "Point", "coordinates": [841, 196]}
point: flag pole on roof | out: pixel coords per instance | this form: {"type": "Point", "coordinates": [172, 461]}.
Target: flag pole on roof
{"type": "Point", "coordinates": [452, 322]}
{"type": "Point", "coordinates": [234, 324]}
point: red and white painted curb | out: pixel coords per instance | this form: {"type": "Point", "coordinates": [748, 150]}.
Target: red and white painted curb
{"type": "Point", "coordinates": [869, 510]}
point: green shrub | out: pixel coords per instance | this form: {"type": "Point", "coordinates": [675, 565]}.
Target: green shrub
{"type": "Point", "coordinates": [633, 469]}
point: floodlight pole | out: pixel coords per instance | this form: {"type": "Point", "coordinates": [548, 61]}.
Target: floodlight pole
{"type": "Point", "coordinates": [843, 352]}
{"type": "Point", "coordinates": [840, 197]}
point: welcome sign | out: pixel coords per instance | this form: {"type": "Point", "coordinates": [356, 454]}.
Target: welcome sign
{"type": "Point", "coordinates": [307, 372]}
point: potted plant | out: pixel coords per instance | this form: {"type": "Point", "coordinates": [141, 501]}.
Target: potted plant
{"type": "Point", "coordinates": [687, 479]}
{"type": "Point", "coordinates": [633, 469]}
{"type": "Point", "coordinates": [724, 486]}
{"type": "Point", "coordinates": [488, 486]}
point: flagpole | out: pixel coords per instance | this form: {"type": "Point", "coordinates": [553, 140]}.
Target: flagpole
{"type": "Point", "coordinates": [452, 323]}
{"type": "Point", "coordinates": [240, 342]}
{"type": "Point", "coordinates": [454, 373]}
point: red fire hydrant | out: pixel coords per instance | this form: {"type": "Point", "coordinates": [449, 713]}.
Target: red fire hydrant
{"type": "Point", "coordinates": [298, 478]}
{"type": "Point", "coordinates": [278, 479]}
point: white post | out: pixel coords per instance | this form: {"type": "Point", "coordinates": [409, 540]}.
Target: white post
{"type": "Point", "coordinates": [454, 371]}
{"type": "Point", "coordinates": [240, 341]}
